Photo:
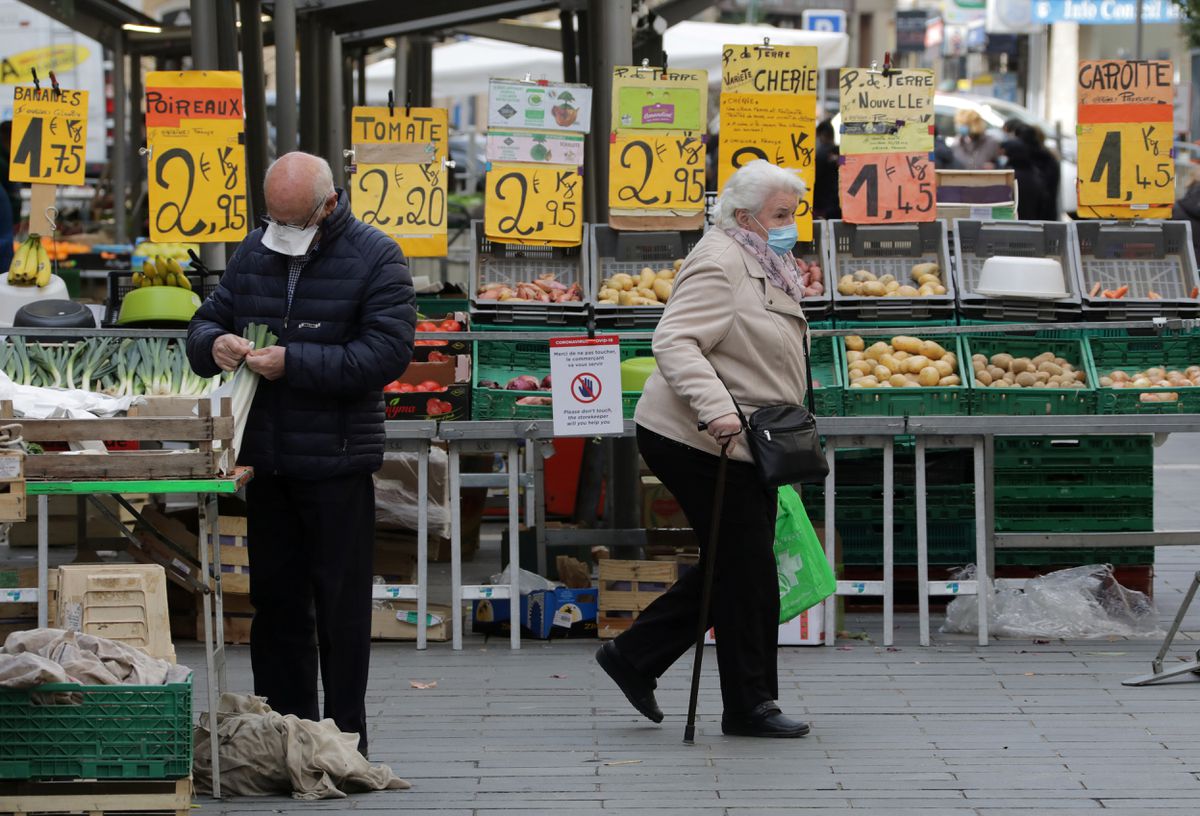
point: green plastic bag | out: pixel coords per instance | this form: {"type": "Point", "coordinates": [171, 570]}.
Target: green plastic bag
{"type": "Point", "coordinates": [805, 578]}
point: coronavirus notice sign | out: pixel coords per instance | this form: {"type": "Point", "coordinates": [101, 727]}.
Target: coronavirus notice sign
{"type": "Point", "coordinates": [586, 377]}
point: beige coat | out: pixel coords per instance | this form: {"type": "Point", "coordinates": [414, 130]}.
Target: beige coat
{"type": "Point", "coordinates": [725, 315]}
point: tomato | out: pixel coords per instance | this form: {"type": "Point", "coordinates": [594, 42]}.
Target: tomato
{"type": "Point", "coordinates": [449, 326]}
{"type": "Point", "coordinates": [405, 388]}
{"type": "Point", "coordinates": [434, 407]}
{"type": "Point", "coordinates": [393, 388]}
{"type": "Point", "coordinates": [439, 357]}
{"type": "Point", "coordinates": [427, 326]}
{"type": "Point", "coordinates": [429, 385]}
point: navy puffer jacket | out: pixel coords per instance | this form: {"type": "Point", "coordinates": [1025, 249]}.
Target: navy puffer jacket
{"type": "Point", "coordinates": [348, 334]}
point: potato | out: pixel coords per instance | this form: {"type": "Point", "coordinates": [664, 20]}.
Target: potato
{"type": "Point", "coordinates": [626, 298]}
{"type": "Point", "coordinates": [862, 276]}
{"type": "Point", "coordinates": [903, 342]}
{"type": "Point", "coordinates": [943, 367]}
{"type": "Point", "coordinates": [886, 279]}
{"type": "Point", "coordinates": [864, 366]}
{"type": "Point", "coordinates": [951, 358]}
{"type": "Point", "coordinates": [1044, 357]}
{"type": "Point", "coordinates": [924, 269]}
{"type": "Point", "coordinates": [1003, 361]}
{"type": "Point", "coordinates": [983, 377]}
{"type": "Point", "coordinates": [1026, 378]}
{"type": "Point", "coordinates": [893, 365]}
{"type": "Point", "coordinates": [1050, 367]}
{"type": "Point", "coordinates": [1001, 383]}
{"type": "Point", "coordinates": [929, 376]}
{"type": "Point", "coordinates": [608, 293]}
{"type": "Point", "coordinates": [926, 290]}
{"type": "Point", "coordinates": [622, 281]}
{"type": "Point", "coordinates": [638, 300]}
{"type": "Point", "coordinates": [898, 381]}
{"type": "Point", "coordinates": [932, 350]}
{"type": "Point", "coordinates": [678, 262]}
{"type": "Point", "coordinates": [928, 279]}
{"type": "Point", "coordinates": [662, 289]}
{"type": "Point", "coordinates": [854, 342]}
{"type": "Point", "coordinates": [853, 356]}
{"type": "Point", "coordinates": [1020, 364]}
{"type": "Point", "coordinates": [848, 288]}
{"type": "Point", "coordinates": [877, 350]}
{"type": "Point", "coordinates": [874, 289]}
{"type": "Point", "coordinates": [916, 363]}
{"type": "Point", "coordinates": [856, 374]}
{"type": "Point", "coordinates": [907, 291]}
{"type": "Point", "coordinates": [645, 293]}
{"type": "Point", "coordinates": [649, 276]}
{"type": "Point", "coordinates": [938, 289]}
{"type": "Point", "coordinates": [881, 372]}
{"type": "Point", "coordinates": [997, 372]}
{"type": "Point", "coordinates": [666, 274]}
{"type": "Point", "coordinates": [953, 379]}
{"type": "Point", "coordinates": [891, 286]}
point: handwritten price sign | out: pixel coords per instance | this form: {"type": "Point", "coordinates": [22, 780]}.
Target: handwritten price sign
{"type": "Point", "coordinates": [652, 171]}
{"type": "Point", "coordinates": [194, 127]}
{"type": "Point", "coordinates": [400, 181]}
{"type": "Point", "coordinates": [769, 69]}
{"type": "Point", "coordinates": [534, 204]}
{"type": "Point", "coordinates": [49, 136]}
{"type": "Point", "coordinates": [882, 188]}
{"type": "Point", "coordinates": [886, 114]}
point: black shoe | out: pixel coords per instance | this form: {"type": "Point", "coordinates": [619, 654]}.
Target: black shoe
{"type": "Point", "coordinates": [637, 689]}
{"type": "Point", "coordinates": [764, 720]}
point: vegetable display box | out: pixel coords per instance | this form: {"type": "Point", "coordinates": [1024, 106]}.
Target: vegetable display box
{"type": "Point", "coordinates": [1136, 271]}
{"type": "Point", "coordinates": [447, 324]}
{"type": "Point", "coordinates": [618, 261]}
{"type": "Point", "coordinates": [890, 272]}
{"type": "Point", "coordinates": [1146, 375]}
{"type": "Point", "coordinates": [545, 614]}
{"type": "Point", "coordinates": [439, 390]}
{"type": "Point", "coordinates": [99, 732]}
{"type": "Point", "coordinates": [882, 382]}
{"type": "Point", "coordinates": [1043, 385]}
{"type": "Point", "coordinates": [516, 283]}
{"type": "Point", "coordinates": [977, 241]}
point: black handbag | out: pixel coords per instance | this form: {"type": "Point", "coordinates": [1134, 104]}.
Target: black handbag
{"type": "Point", "coordinates": [783, 440]}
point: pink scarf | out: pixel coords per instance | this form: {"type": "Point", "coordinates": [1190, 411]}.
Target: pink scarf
{"type": "Point", "coordinates": [781, 269]}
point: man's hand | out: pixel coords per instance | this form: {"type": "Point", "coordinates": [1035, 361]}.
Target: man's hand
{"type": "Point", "coordinates": [268, 362]}
{"type": "Point", "coordinates": [725, 429]}
{"type": "Point", "coordinates": [228, 351]}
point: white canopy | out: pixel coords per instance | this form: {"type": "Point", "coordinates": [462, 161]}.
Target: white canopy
{"type": "Point", "coordinates": [463, 68]}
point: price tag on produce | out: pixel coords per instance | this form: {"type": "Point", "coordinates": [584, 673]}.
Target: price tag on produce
{"type": "Point", "coordinates": [1125, 135]}
{"type": "Point", "coordinates": [586, 385]}
{"type": "Point", "coordinates": [49, 136]}
{"type": "Point", "coordinates": [768, 111]}
{"type": "Point", "coordinates": [647, 98]}
{"type": "Point", "coordinates": [534, 204]}
{"type": "Point", "coordinates": [400, 180]}
{"type": "Point", "coordinates": [197, 166]}
{"type": "Point", "coordinates": [878, 188]}
{"type": "Point", "coordinates": [886, 114]}
{"type": "Point", "coordinates": [652, 171]}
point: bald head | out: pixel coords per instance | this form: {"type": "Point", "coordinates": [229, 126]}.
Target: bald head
{"type": "Point", "coordinates": [296, 185]}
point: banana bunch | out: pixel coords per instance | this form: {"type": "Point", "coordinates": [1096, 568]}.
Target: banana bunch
{"type": "Point", "coordinates": [161, 271]}
{"type": "Point", "coordinates": [30, 264]}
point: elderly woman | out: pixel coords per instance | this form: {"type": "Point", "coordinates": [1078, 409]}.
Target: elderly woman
{"type": "Point", "coordinates": [733, 329]}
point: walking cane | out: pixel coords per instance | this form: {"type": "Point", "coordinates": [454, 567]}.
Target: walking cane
{"type": "Point", "coordinates": [710, 561]}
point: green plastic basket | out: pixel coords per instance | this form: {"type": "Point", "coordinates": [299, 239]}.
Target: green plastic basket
{"type": "Point", "coordinates": [1056, 478]}
{"type": "Point", "coordinates": [102, 732]}
{"type": "Point", "coordinates": [827, 368]}
{"type": "Point", "coordinates": [952, 399]}
{"type": "Point", "coordinates": [1030, 401]}
{"type": "Point", "coordinates": [1134, 556]}
{"type": "Point", "coordinates": [1133, 354]}
{"type": "Point", "coordinates": [1033, 453]}
{"type": "Point", "coordinates": [1075, 516]}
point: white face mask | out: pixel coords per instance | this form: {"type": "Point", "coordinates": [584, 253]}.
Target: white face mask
{"type": "Point", "coordinates": [287, 241]}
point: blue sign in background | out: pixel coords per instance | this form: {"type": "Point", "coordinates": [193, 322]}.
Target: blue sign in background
{"type": "Point", "coordinates": [1104, 12]}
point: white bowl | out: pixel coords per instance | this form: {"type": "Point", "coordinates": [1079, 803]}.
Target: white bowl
{"type": "Point", "coordinates": [1035, 278]}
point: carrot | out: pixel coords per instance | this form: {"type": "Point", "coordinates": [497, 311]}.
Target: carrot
{"type": "Point", "coordinates": [1120, 293]}
{"type": "Point", "coordinates": [1095, 290]}
{"type": "Point", "coordinates": [1153, 295]}
{"type": "Point", "coordinates": [1196, 291]}
{"type": "Point", "coordinates": [1107, 293]}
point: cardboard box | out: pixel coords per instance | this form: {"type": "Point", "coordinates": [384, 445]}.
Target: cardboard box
{"type": "Point", "coordinates": [63, 526]}
{"type": "Point", "coordinates": [453, 404]}
{"type": "Point", "coordinates": [450, 346]}
{"type": "Point", "coordinates": [985, 195]}
{"type": "Point", "coordinates": [397, 620]}
{"type": "Point", "coordinates": [660, 510]}
{"type": "Point", "coordinates": [545, 614]}
{"type": "Point", "coordinates": [807, 629]}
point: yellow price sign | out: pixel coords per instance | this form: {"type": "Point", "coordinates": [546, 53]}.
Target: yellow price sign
{"type": "Point", "coordinates": [406, 201]}
{"type": "Point", "coordinates": [656, 171]}
{"type": "Point", "coordinates": [534, 204]}
{"type": "Point", "coordinates": [1126, 163]}
{"type": "Point", "coordinates": [49, 136]}
{"type": "Point", "coordinates": [774, 69]}
{"type": "Point", "coordinates": [400, 182]}
{"type": "Point", "coordinates": [886, 114]}
{"type": "Point", "coordinates": [197, 167]}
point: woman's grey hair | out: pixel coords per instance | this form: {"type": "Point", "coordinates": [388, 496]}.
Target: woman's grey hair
{"type": "Point", "coordinates": [317, 168]}
{"type": "Point", "coordinates": [750, 187]}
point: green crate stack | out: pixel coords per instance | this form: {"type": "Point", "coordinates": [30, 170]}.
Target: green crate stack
{"type": "Point", "coordinates": [827, 367]}
{"type": "Point", "coordinates": [106, 732]}
{"type": "Point", "coordinates": [1030, 401]}
{"type": "Point", "coordinates": [1065, 485]}
{"type": "Point", "coordinates": [501, 360]}
{"type": "Point", "coordinates": [935, 400]}
{"type": "Point", "coordinates": [1133, 354]}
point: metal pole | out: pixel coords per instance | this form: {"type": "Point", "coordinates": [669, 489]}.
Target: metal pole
{"type": "Point", "coordinates": [310, 86]}
{"type": "Point", "coordinates": [361, 88]}
{"type": "Point", "coordinates": [570, 66]}
{"type": "Point", "coordinates": [205, 58]}
{"type": "Point", "coordinates": [285, 76]}
{"type": "Point", "coordinates": [255, 92]}
{"type": "Point", "coordinates": [611, 45]}
{"type": "Point", "coordinates": [227, 35]}
{"type": "Point", "coordinates": [137, 131]}
{"type": "Point", "coordinates": [335, 116]}
{"type": "Point", "coordinates": [400, 69]}
{"type": "Point", "coordinates": [120, 158]}
{"type": "Point", "coordinates": [1138, 27]}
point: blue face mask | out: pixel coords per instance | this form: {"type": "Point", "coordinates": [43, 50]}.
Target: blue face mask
{"type": "Point", "coordinates": [780, 239]}
{"type": "Point", "coordinates": [963, 130]}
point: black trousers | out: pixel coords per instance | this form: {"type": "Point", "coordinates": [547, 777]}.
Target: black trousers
{"type": "Point", "coordinates": [311, 548]}
{"type": "Point", "coordinates": [745, 600]}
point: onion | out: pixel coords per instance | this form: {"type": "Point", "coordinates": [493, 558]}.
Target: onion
{"type": "Point", "coordinates": [546, 383]}
{"type": "Point", "coordinates": [523, 382]}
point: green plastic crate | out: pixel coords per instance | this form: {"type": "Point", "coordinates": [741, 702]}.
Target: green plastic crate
{"type": "Point", "coordinates": [948, 543]}
{"type": "Point", "coordinates": [1075, 516]}
{"type": "Point", "coordinates": [104, 732]}
{"type": "Point", "coordinates": [1133, 354]}
{"type": "Point", "coordinates": [1073, 453]}
{"type": "Point", "coordinates": [1042, 557]}
{"type": "Point", "coordinates": [1071, 478]}
{"type": "Point", "coordinates": [1030, 401]}
{"type": "Point", "coordinates": [827, 368]}
{"type": "Point", "coordinates": [1079, 493]}
{"type": "Point", "coordinates": [953, 400]}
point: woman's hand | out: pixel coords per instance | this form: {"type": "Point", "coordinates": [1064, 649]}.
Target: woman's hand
{"type": "Point", "coordinates": [725, 429]}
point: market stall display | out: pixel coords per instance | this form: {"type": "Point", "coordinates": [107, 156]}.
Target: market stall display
{"type": "Point", "coordinates": [1130, 271]}
{"type": "Point", "coordinates": [1146, 375]}
{"type": "Point", "coordinates": [1015, 246]}
{"type": "Point", "coordinates": [617, 269]}
{"type": "Point", "coordinates": [527, 284]}
{"type": "Point", "coordinates": [903, 254]}
{"type": "Point", "coordinates": [908, 375]}
{"type": "Point", "coordinates": [1022, 375]}
{"type": "Point", "coordinates": [108, 365]}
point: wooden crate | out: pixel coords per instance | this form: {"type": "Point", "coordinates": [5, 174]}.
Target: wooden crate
{"type": "Point", "coordinates": [628, 587]}
{"type": "Point", "coordinates": [200, 462]}
{"type": "Point", "coordinates": [123, 602]}
{"type": "Point", "coordinates": [12, 485]}
{"type": "Point", "coordinates": [97, 797]}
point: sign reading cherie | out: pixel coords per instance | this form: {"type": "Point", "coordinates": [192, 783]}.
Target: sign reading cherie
{"type": "Point", "coordinates": [768, 69]}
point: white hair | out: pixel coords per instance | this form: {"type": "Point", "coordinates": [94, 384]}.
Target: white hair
{"type": "Point", "coordinates": [750, 187]}
{"type": "Point", "coordinates": [321, 174]}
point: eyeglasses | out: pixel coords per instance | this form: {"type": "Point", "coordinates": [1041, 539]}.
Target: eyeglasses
{"type": "Point", "coordinates": [269, 220]}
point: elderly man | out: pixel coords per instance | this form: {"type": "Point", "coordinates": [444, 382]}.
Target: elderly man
{"type": "Point", "coordinates": [339, 296]}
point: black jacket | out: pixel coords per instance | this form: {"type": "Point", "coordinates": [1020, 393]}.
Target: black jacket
{"type": "Point", "coordinates": [1031, 187]}
{"type": "Point", "coordinates": [349, 332]}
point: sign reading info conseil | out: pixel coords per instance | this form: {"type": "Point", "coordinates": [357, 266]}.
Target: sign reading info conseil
{"type": "Point", "coordinates": [586, 385]}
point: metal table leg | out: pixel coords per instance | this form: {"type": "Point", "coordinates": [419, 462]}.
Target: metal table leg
{"type": "Point", "coordinates": [43, 554]}
{"type": "Point", "coordinates": [922, 541]}
{"type": "Point", "coordinates": [514, 545]}
{"type": "Point", "coordinates": [1193, 667]}
{"type": "Point", "coordinates": [456, 588]}
{"type": "Point", "coordinates": [983, 532]}
{"type": "Point", "coordinates": [831, 603]}
{"type": "Point", "coordinates": [422, 545]}
{"type": "Point", "coordinates": [889, 540]}
{"type": "Point", "coordinates": [214, 624]}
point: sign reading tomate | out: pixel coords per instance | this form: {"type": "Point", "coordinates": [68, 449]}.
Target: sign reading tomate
{"type": "Point", "coordinates": [197, 164]}
{"type": "Point", "coordinates": [400, 180]}
{"type": "Point", "coordinates": [886, 173]}
{"type": "Point", "coordinates": [534, 204]}
{"type": "Point", "coordinates": [768, 111]}
{"type": "Point", "coordinates": [1125, 135]}
{"type": "Point", "coordinates": [49, 136]}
